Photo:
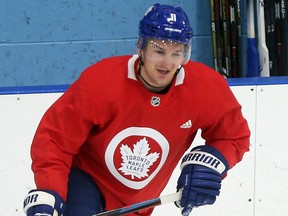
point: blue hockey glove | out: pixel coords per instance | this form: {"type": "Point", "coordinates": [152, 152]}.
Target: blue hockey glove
{"type": "Point", "coordinates": [201, 177]}
{"type": "Point", "coordinates": [43, 203]}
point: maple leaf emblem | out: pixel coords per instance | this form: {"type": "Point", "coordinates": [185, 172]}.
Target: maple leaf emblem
{"type": "Point", "coordinates": [137, 163]}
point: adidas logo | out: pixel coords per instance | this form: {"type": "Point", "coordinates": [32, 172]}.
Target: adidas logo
{"type": "Point", "coordinates": [187, 124]}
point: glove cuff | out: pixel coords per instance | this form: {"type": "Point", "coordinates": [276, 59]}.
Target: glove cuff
{"type": "Point", "coordinates": [206, 156]}
{"type": "Point", "coordinates": [50, 199]}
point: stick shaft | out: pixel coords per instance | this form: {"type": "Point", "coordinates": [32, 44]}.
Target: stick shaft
{"type": "Point", "coordinates": [234, 37]}
{"type": "Point", "coordinates": [262, 48]}
{"type": "Point", "coordinates": [269, 11]}
{"type": "Point", "coordinates": [226, 39]}
{"type": "Point", "coordinates": [239, 37]}
{"type": "Point", "coordinates": [219, 34]}
{"type": "Point", "coordinates": [142, 205]}
{"type": "Point", "coordinates": [252, 53]}
{"type": "Point", "coordinates": [214, 36]}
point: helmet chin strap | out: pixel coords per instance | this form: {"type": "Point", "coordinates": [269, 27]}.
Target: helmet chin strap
{"type": "Point", "coordinates": [141, 64]}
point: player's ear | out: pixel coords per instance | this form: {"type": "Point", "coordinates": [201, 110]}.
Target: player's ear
{"type": "Point", "coordinates": [139, 45]}
{"type": "Point", "coordinates": [139, 51]}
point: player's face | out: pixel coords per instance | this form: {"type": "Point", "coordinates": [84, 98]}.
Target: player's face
{"type": "Point", "coordinates": [161, 60]}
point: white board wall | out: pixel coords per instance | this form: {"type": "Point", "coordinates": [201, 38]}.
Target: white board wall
{"type": "Point", "coordinates": [255, 187]}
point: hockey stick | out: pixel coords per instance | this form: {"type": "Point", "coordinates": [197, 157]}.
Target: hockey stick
{"type": "Point", "coordinates": [142, 205]}
{"type": "Point", "coordinates": [280, 16]}
{"type": "Point", "coordinates": [239, 42]}
{"type": "Point", "coordinates": [278, 35]}
{"type": "Point", "coordinates": [286, 38]}
{"type": "Point", "coordinates": [226, 38]}
{"type": "Point", "coordinates": [262, 48]}
{"type": "Point", "coordinates": [252, 53]}
{"type": "Point", "coordinates": [234, 37]}
{"type": "Point", "coordinates": [284, 21]}
{"type": "Point", "coordinates": [213, 35]}
{"type": "Point", "coordinates": [219, 34]}
{"type": "Point", "coordinates": [271, 35]}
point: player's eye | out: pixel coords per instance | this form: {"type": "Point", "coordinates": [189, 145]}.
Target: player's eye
{"type": "Point", "coordinates": [177, 54]}
{"type": "Point", "coordinates": [160, 52]}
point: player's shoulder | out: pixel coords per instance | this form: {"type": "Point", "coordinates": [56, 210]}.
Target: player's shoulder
{"type": "Point", "coordinates": [199, 69]}
{"type": "Point", "coordinates": [199, 72]}
{"type": "Point", "coordinates": [108, 73]}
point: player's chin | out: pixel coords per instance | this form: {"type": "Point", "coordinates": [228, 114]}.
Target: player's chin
{"type": "Point", "coordinates": [166, 81]}
{"type": "Point", "coordinates": [162, 84]}
{"type": "Point", "coordinates": [164, 78]}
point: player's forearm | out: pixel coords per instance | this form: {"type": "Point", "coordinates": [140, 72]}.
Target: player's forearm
{"type": "Point", "coordinates": [51, 167]}
{"type": "Point", "coordinates": [51, 178]}
{"type": "Point", "coordinates": [232, 150]}
{"type": "Point", "coordinates": [230, 135]}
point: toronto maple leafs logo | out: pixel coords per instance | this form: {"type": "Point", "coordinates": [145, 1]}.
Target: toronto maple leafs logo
{"type": "Point", "coordinates": [135, 155]}
{"type": "Point", "coordinates": [136, 163]}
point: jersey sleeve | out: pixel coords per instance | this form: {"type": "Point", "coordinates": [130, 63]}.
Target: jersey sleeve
{"type": "Point", "coordinates": [60, 133]}
{"type": "Point", "coordinates": [227, 129]}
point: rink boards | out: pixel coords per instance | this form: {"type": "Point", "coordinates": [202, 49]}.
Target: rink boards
{"type": "Point", "coordinates": [257, 186]}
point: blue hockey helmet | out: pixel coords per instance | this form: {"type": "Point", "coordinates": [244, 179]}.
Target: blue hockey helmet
{"type": "Point", "coordinates": [166, 22]}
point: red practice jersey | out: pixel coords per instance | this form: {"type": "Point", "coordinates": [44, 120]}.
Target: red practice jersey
{"type": "Point", "coordinates": [129, 139]}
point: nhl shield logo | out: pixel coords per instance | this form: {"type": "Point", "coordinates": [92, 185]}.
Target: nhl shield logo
{"type": "Point", "coordinates": [155, 101]}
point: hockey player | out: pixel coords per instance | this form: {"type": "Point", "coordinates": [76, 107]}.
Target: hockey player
{"type": "Point", "coordinates": [116, 135]}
